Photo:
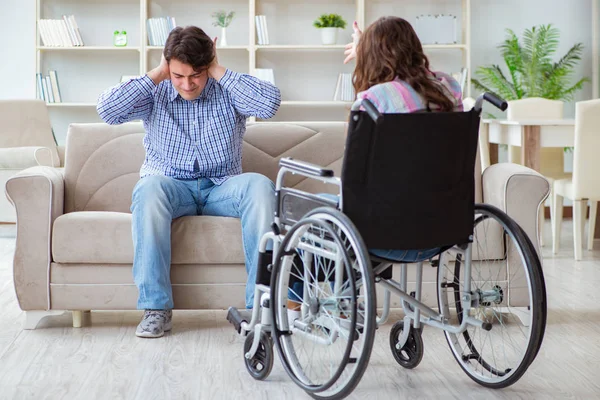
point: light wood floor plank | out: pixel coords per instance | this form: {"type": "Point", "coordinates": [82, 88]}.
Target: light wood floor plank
{"type": "Point", "coordinates": [202, 358]}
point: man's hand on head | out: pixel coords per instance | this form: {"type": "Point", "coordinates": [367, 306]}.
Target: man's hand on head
{"type": "Point", "coordinates": [215, 70]}
{"type": "Point", "coordinates": [161, 72]}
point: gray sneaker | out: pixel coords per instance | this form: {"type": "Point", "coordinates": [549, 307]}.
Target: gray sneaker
{"type": "Point", "coordinates": [154, 324]}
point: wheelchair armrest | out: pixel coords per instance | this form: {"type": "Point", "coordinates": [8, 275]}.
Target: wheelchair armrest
{"type": "Point", "coordinates": [305, 168]}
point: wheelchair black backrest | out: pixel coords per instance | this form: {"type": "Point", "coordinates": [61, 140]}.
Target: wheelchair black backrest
{"type": "Point", "coordinates": [408, 182]}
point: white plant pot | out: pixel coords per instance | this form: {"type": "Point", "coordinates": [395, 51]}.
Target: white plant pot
{"type": "Point", "coordinates": [223, 37]}
{"type": "Point", "coordinates": [328, 35]}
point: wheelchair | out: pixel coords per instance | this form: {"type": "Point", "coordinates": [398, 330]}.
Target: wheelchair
{"type": "Point", "coordinates": [407, 183]}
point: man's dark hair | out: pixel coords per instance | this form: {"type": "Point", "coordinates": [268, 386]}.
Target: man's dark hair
{"type": "Point", "coordinates": [190, 45]}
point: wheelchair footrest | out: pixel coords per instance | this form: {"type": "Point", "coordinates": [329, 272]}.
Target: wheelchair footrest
{"type": "Point", "coordinates": [236, 318]}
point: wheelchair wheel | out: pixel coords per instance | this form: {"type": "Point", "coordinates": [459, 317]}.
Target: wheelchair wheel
{"type": "Point", "coordinates": [505, 291]}
{"type": "Point", "coordinates": [261, 364]}
{"type": "Point", "coordinates": [322, 264]}
{"type": "Point", "coordinates": [411, 354]}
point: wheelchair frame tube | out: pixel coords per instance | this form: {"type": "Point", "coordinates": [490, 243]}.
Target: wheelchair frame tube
{"type": "Point", "coordinates": [334, 180]}
{"type": "Point", "coordinates": [435, 319]}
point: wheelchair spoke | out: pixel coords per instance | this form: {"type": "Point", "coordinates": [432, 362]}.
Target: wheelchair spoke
{"type": "Point", "coordinates": [504, 272]}
{"type": "Point", "coordinates": [327, 349]}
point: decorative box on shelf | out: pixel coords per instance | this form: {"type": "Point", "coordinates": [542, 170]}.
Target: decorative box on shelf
{"type": "Point", "coordinates": [436, 29]}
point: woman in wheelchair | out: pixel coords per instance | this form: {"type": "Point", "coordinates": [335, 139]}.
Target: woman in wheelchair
{"type": "Point", "coordinates": [406, 194]}
{"type": "Point", "coordinates": [392, 72]}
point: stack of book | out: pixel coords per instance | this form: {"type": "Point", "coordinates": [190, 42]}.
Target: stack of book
{"type": "Point", "coordinates": [262, 32]}
{"type": "Point", "coordinates": [344, 91]}
{"type": "Point", "coordinates": [159, 29]}
{"type": "Point", "coordinates": [47, 87]}
{"type": "Point", "coordinates": [60, 32]}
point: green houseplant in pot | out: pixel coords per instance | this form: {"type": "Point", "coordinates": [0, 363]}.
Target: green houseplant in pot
{"type": "Point", "coordinates": [328, 24]}
{"type": "Point", "coordinates": [530, 67]}
{"type": "Point", "coordinates": [531, 71]}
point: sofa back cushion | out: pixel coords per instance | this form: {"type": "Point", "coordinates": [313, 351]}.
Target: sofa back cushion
{"type": "Point", "coordinates": [102, 162]}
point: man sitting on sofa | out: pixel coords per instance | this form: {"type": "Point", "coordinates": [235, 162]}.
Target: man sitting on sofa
{"type": "Point", "coordinates": [194, 112]}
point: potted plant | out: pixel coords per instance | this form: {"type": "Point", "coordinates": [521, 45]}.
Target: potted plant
{"type": "Point", "coordinates": [329, 24]}
{"type": "Point", "coordinates": [223, 20]}
{"type": "Point", "coordinates": [531, 69]}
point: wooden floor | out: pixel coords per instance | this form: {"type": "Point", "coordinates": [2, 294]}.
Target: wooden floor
{"type": "Point", "coordinates": [202, 357]}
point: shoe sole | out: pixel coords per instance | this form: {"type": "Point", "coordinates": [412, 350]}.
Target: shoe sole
{"type": "Point", "coordinates": [148, 335]}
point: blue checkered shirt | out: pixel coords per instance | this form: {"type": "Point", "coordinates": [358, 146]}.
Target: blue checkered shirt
{"type": "Point", "coordinates": [191, 139]}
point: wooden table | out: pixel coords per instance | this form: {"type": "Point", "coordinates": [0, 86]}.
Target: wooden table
{"type": "Point", "coordinates": [531, 135]}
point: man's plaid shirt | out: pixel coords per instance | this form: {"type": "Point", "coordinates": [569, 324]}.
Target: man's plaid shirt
{"type": "Point", "coordinates": [191, 139]}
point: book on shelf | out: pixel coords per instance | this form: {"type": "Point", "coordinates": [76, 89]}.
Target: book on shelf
{"type": "Point", "coordinates": [48, 88]}
{"type": "Point", "coordinates": [265, 74]}
{"type": "Point", "coordinates": [344, 90]}
{"type": "Point", "coordinates": [262, 32]}
{"type": "Point", "coordinates": [60, 32]}
{"type": "Point", "coordinates": [158, 29]}
{"type": "Point", "coordinates": [461, 78]}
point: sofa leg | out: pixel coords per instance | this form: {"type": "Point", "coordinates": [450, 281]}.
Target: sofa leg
{"type": "Point", "coordinates": [32, 318]}
{"type": "Point", "coordinates": [77, 318]}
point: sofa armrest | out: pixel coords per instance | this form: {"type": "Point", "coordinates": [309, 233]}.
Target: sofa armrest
{"type": "Point", "coordinates": [38, 196]}
{"type": "Point", "coordinates": [518, 191]}
{"type": "Point", "coordinates": [25, 157]}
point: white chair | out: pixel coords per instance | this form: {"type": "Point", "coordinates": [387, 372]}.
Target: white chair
{"type": "Point", "coordinates": [538, 108]}
{"type": "Point", "coordinates": [585, 183]}
{"type": "Point", "coordinates": [25, 141]}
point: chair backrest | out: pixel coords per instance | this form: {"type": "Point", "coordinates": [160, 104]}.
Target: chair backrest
{"type": "Point", "coordinates": [535, 108]}
{"type": "Point", "coordinates": [586, 163]}
{"type": "Point", "coordinates": [408, 183]}
{"type": "Point", "coordinates": [27, 123]}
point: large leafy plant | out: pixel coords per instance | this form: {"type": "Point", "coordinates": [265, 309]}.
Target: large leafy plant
{"type": "Point", "coordinates": [531, 69]}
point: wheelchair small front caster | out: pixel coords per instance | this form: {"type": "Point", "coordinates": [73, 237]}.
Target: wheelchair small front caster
{"type": "Point", "coordinates": [411, 354]}
{"type": "Point", "coordinates": [260, 365]}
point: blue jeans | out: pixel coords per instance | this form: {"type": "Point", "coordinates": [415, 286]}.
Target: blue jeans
{"type": "Point", "coordinates": [157, 200]}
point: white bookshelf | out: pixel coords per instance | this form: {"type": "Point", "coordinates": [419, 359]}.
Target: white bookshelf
{"type": "Point", "coordinates": [305, 70]}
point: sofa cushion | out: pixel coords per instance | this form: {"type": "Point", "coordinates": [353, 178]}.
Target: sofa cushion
{"type": "Point", "coordinates": [105, 237]}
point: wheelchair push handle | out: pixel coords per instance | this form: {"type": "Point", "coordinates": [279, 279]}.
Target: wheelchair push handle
{"type": "Point", "coordinates": [372, 111]}
{"type": "Point", "coordinates": [496, 100]}
{"type": "Point", "coordinates": [493, 98]}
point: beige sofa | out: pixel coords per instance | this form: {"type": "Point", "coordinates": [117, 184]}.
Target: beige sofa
{"type": "Point", "coordinates": [74, 248]}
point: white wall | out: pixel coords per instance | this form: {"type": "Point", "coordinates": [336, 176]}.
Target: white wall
{"type": "Point", "coordinates": [17, 65]}
{"type": "Point", "coordinates": [489, 19]}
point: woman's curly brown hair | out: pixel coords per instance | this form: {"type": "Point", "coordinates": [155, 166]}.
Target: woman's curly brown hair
{"type": "Point", "coordinates": [388, 49]}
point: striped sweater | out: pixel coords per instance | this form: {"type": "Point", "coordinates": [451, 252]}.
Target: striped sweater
{"type": "Point", "coordinates": [398, 96]}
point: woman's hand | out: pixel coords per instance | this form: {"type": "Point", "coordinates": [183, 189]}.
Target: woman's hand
{"type": "Point", "coordinates": [350, 51]}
